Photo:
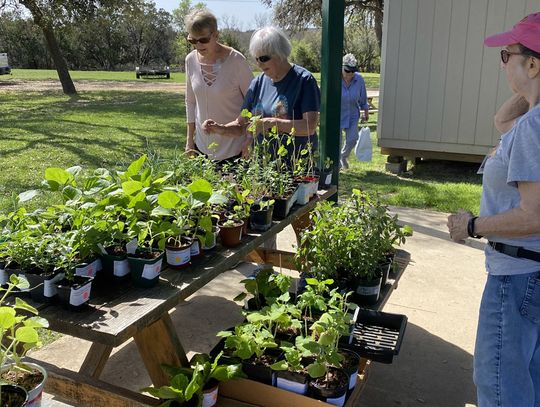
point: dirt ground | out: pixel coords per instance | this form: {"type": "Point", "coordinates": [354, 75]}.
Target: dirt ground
{"type": "Point", "coordinates": [87, 85]}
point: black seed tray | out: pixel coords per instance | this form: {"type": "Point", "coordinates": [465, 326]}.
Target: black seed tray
{"type": "Point", "coordinates": [378, 335]}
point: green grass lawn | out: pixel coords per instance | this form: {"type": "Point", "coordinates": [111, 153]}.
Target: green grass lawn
{"type": "Point", "coordinates": [45, 129]}
{"type": "Point", "coordinates": [45, 74]}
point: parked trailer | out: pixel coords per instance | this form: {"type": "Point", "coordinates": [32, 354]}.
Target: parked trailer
{"type": "Point", "coordinates": [4, 65]}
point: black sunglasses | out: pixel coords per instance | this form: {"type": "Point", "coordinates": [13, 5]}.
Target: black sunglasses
{"type": "Point", "coordinates": [203, 40]}
{"type": "Point", "coordinates": [348, 70]}
{"type": "Point", "coordinates": [505, 55]}
{"type": "Point", "coordinates": [263, 58]}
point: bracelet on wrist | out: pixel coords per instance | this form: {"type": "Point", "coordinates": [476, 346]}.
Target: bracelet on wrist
{"type": "Point", "coordinates": [470, 228]}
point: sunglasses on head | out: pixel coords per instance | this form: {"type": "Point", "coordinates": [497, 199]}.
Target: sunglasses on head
{"type": "Point", "coordinates": [263, 58]}
{"type": "Point", "coordinates": [203, 40]}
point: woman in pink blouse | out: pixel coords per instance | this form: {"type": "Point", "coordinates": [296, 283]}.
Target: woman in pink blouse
{"type": "Point", "coordinates": [217, 78]}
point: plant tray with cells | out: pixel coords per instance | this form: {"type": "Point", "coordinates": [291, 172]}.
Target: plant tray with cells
{"type": "Point", "coordinates": [378, 335]}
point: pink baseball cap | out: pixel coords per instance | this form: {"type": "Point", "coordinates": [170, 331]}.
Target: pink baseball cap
{"type": "Point", "coordinates": [526, 32]}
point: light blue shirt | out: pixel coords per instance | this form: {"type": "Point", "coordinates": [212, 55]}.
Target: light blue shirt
{"type": "Point", "coordinates": [353, 98]}
{"type": "Point", "coordinates": [517, 159]}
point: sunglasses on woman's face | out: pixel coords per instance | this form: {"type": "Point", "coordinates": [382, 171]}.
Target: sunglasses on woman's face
{"type": "Point", "coordinates": [263, 58]}
{"type": "Point", "coordinates": [505, 55]}
{"type": "Point", "coordinates": [203, 40]}
{"type": "Point", "coordinates": [347, 70]}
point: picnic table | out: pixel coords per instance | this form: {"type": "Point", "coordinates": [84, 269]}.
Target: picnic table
{"type": "Point", "coordinates": [114, 317]}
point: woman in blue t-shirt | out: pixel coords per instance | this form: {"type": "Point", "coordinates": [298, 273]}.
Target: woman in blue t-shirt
{"type": "Point", "coordinates": [507, 352]}
{"type": "Point", "coordinates": [285, 95]}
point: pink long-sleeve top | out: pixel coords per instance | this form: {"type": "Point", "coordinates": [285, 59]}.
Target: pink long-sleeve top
{"type": "Point", "coordinates": [221, 101]}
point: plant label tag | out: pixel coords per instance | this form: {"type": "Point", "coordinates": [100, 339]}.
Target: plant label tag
{"type": "Point", "coordinates": [328, 179]}
{"type": "Point", "coordinates": [131, 246]}
{"type": "Point", "coordinates": [178, 257]}
{"type": "Point", "coordinates": [152, 271]}
{"type": "Point", "coordinates": [210, 398]}
{"type": "Point", "coordinates": [80, 295]}
{"type": "Point", "coordinates": [49, 286]}
{"type": "Point", "coordinates": [3, 276]}
{"type": "Point", "coordinates": [101, 248]}
{"type": "Point", "coordinates": [88, 271]}
{"type": "Point", "coordinates": [121, 268]}
{"type": "Point", "coordinates": [195, 248]}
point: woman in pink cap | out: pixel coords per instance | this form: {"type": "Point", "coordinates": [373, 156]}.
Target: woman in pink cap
{"type": "Point", "coordinates": [507, 353]}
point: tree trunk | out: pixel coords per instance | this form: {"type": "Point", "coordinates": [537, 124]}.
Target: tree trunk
{"type": "Point", "coordinates": [60, 63]}
{"type": "Point", "coordinates": [379, 16]}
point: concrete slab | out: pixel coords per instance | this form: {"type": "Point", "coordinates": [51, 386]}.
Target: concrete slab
{"type": "Point", "coordinates": [439, 292]}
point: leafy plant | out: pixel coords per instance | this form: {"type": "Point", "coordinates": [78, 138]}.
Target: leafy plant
{"type": "Point", "coordinates": [189, 382]}
{"type": "Point", "coordinates": [265, 287]}
{"type": "Point", "coordinates": [18, 332]}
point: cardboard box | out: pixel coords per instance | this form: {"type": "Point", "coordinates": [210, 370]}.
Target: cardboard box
{"type": "Point", "coordinates": [260, 394]}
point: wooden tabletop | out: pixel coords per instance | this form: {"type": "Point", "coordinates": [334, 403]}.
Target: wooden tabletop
{"type": "Point", "coordinates": [115, 316]}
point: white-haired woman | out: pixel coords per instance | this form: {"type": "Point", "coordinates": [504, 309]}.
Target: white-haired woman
{"type": "Point", "coordinates": [353, 99]}
{"type": "Point", "coordinates": [217, 79]}
{"type": "Point", "coordinates": [285, 95]}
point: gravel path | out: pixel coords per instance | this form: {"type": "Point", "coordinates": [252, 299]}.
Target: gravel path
{"type": "Point", "coordinates": [17, 85]}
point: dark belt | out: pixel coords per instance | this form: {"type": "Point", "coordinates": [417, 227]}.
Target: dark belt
{"type": "Point", "coordinates": [515, 251]}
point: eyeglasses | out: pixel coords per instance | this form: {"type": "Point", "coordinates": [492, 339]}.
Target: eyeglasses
{"type": "Point", "coordinates": [263, 58]}
{"type": "Point", "coordinates": [203, 40]}
{"type": "Point", "coordinates": [348, 70]}
{"type": "Point", "coordinates": [505, 55]}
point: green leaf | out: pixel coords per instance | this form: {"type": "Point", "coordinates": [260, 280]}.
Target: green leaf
{"type": "Point", "coordinates": [28, 195]}
{"type": "Point", "coordinates": [135, 166]}
{"type": "Point", "coordinates": [26, 334]}
{"type": "Point", "coordinates": [21, 304]}
{"type": "Point", "coordinates": [131, 187]}
{"type": "Point", "coordinates": [71, 193]}
{"type": "Point", "coordinates": [221, 373]}
{"type": "Point", "coordinates": [168, 199]}
{"type": "Point", "coordinates": [201, 190]}
{"type": "Point", "coordinates": [240, 297]}
{"type": "Point", "coordinates": [192, 388]}
{"type": "Point", "coordinates": [7, 317]}
{"type": "Point", "coordinates": [36, 322]}
{"type": "Point", "coordinates": [281, 365]}
{"type": "Point", "coordinates": [316, 370]}
{"type": "Point", "coordinates": [57, 177]}
{"type": "Point", "coordinates": [179, 382]}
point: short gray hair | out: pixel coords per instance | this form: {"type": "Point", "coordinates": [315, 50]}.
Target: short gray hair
{"type": "Point", "coordinates": [270, 41]}
{"type": "Point", "coordinates": [200, 20]}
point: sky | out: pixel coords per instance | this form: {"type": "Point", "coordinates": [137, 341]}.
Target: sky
{"type": "Point", "coordinates": [243, 11]}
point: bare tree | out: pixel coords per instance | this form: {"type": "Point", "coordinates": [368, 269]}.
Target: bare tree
{"type": "Point", "coordinates": [298, 14]}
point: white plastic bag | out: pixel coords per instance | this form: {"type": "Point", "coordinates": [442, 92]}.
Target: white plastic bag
{"type": "Point", "coordinates": [363, 149]}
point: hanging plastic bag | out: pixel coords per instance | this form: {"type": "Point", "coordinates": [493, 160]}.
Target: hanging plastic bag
{"type": "Point", "coordinates": [363, 149]}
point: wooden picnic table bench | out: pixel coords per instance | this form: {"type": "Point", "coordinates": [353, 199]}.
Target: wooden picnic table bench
{"type": "Point", "coordinates": [114, 317]}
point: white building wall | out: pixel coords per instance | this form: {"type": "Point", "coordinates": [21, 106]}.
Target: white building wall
{"type": "Point", "coordinates": [440, 86]}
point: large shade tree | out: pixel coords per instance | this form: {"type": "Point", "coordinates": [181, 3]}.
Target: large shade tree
{"type": "Point", "coordinates": [294, 14]}
{"type": "Point", "coordinates": [49, 15]}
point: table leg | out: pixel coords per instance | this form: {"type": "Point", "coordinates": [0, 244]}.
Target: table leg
{"type": "Point", "coordinates": [158, 344]}
{"type": "Point", "coordinates": [95, 360]}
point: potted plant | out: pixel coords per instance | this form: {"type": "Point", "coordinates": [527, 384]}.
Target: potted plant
{"type": "Point", "coordinates": [230, 230]}
{"type": "Point", "coordinates": [325, 173]}
{"type": "Point", "coordinates": [198, 384]}
{"type": "Point", "coordinates": [264, 286]}
{"type": "Point", "coordinates": [18, 334]}
{"type": "Point", "coordinates": [260, 217]}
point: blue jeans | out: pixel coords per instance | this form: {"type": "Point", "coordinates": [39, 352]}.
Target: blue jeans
{"type": "Point", "coordinates": [507, 354]}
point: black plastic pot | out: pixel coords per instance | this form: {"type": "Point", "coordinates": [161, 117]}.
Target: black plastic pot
{"type": "Point", "coordinates": [283, 205]}
{"type": "Point", "coordinates": [325, 179]}
{"type": "Point", "coordinates": [259, 373]}
{"type": "Point", "coordinates": [335, 395]}
{"type": "Point", "coordinates": [366, 292]}
{"type": "Point", "coordinates": [115, 269]}
{"type": "Point", "coordinates": [350, 364]}
{"type": "Point", "coordinates": [43, 286]}
{"type": "Point", "coordinates": [13, 396]}
{"type": "Point", "coordinates": [145, 271]}
{"type": "Point", "coordinates": [261, 219]}
{"type": "Point", "coordinates": [74, 294]}
{"type": "Point", "coordinates": [384, 267]}
{"type": "Point", "coordinates": [292, 381]}
{"type": "Point", "coordinates": [89, 268]}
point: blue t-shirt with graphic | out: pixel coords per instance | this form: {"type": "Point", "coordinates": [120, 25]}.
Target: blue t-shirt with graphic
{"type": "Point", "coordinates": [517, 159]}
{"type": "Point", "coordinates": [291, 97]}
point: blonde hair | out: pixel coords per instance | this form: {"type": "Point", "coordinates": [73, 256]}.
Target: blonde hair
{"type": "Point", "coordinates": [200, 20]}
